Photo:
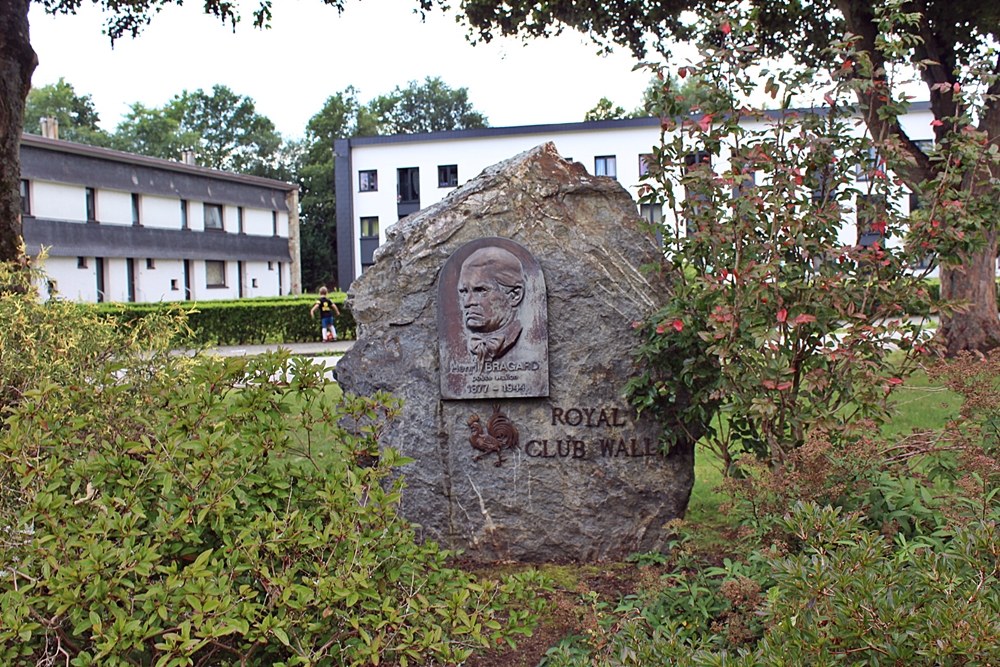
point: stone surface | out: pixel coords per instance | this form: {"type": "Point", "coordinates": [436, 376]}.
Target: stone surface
{"type": "Point", "coordinates": [577, 474]}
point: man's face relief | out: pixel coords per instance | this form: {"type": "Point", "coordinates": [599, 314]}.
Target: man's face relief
{"type": "Point", "coordinates": [486, 306]}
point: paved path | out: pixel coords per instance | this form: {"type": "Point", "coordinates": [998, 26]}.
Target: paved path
{"type": "Point", "coordinates": [305, 349]}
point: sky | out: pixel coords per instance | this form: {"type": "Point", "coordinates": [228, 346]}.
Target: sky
{"type": "Point", "coordinates": [311, 52]}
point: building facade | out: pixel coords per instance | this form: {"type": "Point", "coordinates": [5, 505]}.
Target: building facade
{"type": "Point", "coordinates": [382, 179]}
{"type": "Point", "coordinates": [111, 226]}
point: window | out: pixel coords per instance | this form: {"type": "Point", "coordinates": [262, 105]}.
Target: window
{"type": "Point", "coordinates": [747, 185]}
{"type": "Point", "coordinates": [25, 198]}
{"type": "Point", "coordinates": [213, 216]}
{"type": "Point", "coordinates": [447, 175]}
{"type": "Point", "coordinates": [253, 282]}
{"type": "Point", "coordinates": [81, 262]}
{"type": "Point", "coordinates": [135, 210]}
{"type": "Point", "coordinates": [605, 165]}
{"type": "Point", "coordinates": [652, 213]}
{"type": "Point", "coordinates": [91, 205]}
{"type": "Point", "coordinates": [184, 215]}
{"type": "Point", "coordinates": [215, 273]}
{"type": "Point", "coordinates": [173, 285]}
{"type": "Point", "coordinates": [274, 223]}
{"type": "Point", "coordinates": [239, 220]}
{"type": "Point", "coordinates": [369, 227]}
{"type": "Point", "coordinates": [697, 170]}
{"type": "Point", "coordinates": [645, 160]}
{"type": "Point", "coordinates": [871, 220]}
{"type": "Point", "coordinates": [925, 145]}
{"type": "Point", "coordinates": [408, 190]}
{"type": "Point", "coordinates": [150, 263]}
{"type": "Point", "coordinates": [871, 164]}
{"type": "Point", "coordinates": [270, 266]}
{"type": "Point", "coordinates": [929, 260]}
{"type": "Point", "coordinates": [368, 180]}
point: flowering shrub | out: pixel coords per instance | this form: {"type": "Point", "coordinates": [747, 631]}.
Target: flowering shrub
{"type": "Point", "coordinates": [781, 321]}
{"type": "Point", "coordinates": [161, 510]}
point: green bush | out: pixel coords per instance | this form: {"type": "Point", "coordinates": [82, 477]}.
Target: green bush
{"type": "Point", "coordinates": [849, 596]}
{"type": "Point", "coordinates": [157, 509]}
{"type": "Point", "coordinates": [246, 321]}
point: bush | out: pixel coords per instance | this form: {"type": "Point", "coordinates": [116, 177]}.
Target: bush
{"type": "Point", "coordinates": [265, 320]}
{"type": "Point", "coordinates": [162, 510]}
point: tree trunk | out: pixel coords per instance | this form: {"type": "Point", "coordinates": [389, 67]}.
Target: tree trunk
{"type": "Point", "coordinates": [17, 62]}
{"type": "Point", "coordinates": [977, 327]}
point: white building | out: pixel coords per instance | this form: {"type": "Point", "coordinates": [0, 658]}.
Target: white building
{"type": "Point", "coordinates": [121, 227]}
{"type": "Point", "coordinates": [382, 179]}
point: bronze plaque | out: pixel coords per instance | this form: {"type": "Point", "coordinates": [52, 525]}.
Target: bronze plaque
{"type": "Point", "coordinates": [493, 331]}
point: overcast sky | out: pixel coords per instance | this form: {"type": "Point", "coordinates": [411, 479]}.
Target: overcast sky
{"type": "Point", "coordinates": [311, 52]}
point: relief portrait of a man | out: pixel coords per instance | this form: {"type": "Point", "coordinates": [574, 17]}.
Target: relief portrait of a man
{"type": "Point", "coordinates": [492, 318]}
{"type": "Point", "coordinates": [490, 290]}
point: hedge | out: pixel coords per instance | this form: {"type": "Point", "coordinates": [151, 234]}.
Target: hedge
{"type": "Point", "coordinates": [243, 321]}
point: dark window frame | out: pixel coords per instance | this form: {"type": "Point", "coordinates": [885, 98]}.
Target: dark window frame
{"type": "Point", "coordinates": [447, 175]}
{"type": "Point", "coordinates": [215, 262]}
{"type": "Point", "coordinates": [369, 223]}
{"type": "Point", "coordinates": [867, 211]}
{"type": "Point", "coordinates": [408, 185]}
{"type": "Point", "coordinates": [90, 202]}
{"type": "Point", "coordinates": [136, 210]}
{"type": "Point", "coordinates": [606, 165]}
{"type": "Point", "coordinates": [368, 180]}
{"type": "Point", "coordinates": [25, 191]}
{"type": "Point", "coordinates": [222, 217]}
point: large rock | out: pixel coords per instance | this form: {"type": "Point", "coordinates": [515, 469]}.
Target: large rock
{"type": "Point", "coordinates": [575, 473]}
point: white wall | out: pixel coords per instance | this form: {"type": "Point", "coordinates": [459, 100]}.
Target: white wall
{"type": "Point", "coordinates": [257, 222]}
{"type": "Point", "coordinates": [160, 212]}
{"type": "Point", "coordinates": [114, 207]}
{"type": "Point", "coordinates": [475, 154]}
{"type": "Point", "coordinates": [58, 201]}
{"type": "Point", "coordinates": [71, 282]}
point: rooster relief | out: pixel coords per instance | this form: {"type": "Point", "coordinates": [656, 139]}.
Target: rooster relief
{"type": "Point", "coordinates": [500, 434]}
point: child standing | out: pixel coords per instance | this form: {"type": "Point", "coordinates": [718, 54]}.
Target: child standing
{"type": "Point", "coordinates": [327, 309]}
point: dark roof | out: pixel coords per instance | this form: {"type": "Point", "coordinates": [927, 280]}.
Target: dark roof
{"type": "Point", "coordinates": [58, 145]}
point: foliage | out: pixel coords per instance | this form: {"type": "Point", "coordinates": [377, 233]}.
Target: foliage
{"type": "Point", "coordinates": [78, 119]}
{"type": "Point", "coordinates": [222, 128]}
{"type": "Point", "coordinates": [952, 45]}
{"type": "Point", "coordinates": [161, 510]}
{"type": "Point", "coordinates": [262, 320]}
{"type": "Point", "coordinates": [847, 595]}
{"type": "Point", "coordinates": [430, 106]}
{"type": "Point", "coordinates": [605, 109]}
{"type": "Point", "coordinates": [340, 117]}
{"type": "Point", "coordinates": [774, 318]}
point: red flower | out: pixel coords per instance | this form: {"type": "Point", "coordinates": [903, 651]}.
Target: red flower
{"type": "Point", "coordinates": [726, 28]}
{"type": "Point", "coordinates": [677, 325]}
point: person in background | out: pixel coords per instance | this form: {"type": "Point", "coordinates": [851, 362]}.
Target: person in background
{"type": "Point", "coordinates": [327, 310]}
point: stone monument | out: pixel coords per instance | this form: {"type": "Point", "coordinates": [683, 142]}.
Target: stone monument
{"type": "Point", "coordinates": [502, 318]}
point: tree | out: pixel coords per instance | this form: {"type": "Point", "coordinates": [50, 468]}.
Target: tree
{"type": "Point", "coordinates": [605, 109]}
{"type": "Point", "coordinates": [153, 132]}
{"type": "Point", "coordinates": [222, 128]}
{"type": "Point", "coordinates": [949, 43]}
{"type": "Point", "coordinates": [428, 107]}
{"type": "Point", "coordinates": [78, 119]}
{"type": "Point", "coordinates": [340, 116]}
